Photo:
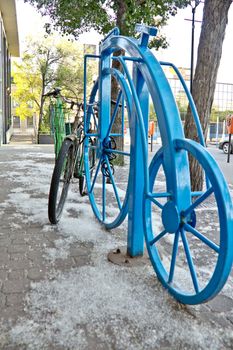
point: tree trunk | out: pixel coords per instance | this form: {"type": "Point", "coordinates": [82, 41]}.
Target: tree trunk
{"type": "Point", "coordinates": [40, 114]}
{"type": "Point", "coordinates": [215, 18]}
{"type": "Point", "coordinates": [117, 127]}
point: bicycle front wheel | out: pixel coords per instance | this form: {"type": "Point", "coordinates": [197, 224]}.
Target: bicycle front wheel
{"type": "Point", "coordinates": [61, 177]}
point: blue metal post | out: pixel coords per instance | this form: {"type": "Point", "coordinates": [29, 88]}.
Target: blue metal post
{"type": "Point", "coordinates": [135, 242]}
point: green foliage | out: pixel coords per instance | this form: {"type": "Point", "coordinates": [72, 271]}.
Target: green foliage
{"type": "Point", "coordinates": [216, 114]}
{"type": "Point", "coordinates": [47, 63]}
{"type": "Point", "coordinates": [103, 15]}
{"type": "Point", "coordinates": [26, 89]}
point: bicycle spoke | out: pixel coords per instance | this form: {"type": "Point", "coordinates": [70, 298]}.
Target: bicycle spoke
{"type": "Point", "coordinates": [157, 238]}
{"type": "Point", "coordinates": [174, 255]}
{"type": "Point", "coordinates": [113, 184]}
{"type": "Point", "coordinates": [204, 239]}
{"type": "Point", "coordinates": [198, 201]}
{"type": "Point", "coordinates": [190, 261]}
{"type": "Point", "coordinates": [96, 174]}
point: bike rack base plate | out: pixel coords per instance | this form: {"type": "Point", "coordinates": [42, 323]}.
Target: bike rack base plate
{"type": "Point", "coordinates": [120, 257]}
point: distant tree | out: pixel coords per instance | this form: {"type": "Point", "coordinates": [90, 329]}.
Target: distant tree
{"type": "Point", "coordinates": [215, 18]}
{"type": "Point", "coordinates": [45, 64]}
{"type": "Point", "coordinates": [36, 72]}
{"type": "Point", "coordinates": [102, 15]}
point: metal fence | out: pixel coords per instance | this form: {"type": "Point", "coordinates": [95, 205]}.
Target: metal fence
{"type": "Point", "coordinates": [222, 105]}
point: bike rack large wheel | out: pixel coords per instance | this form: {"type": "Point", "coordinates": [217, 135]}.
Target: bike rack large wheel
{"type": "Point", "coordinates": [108, 186]}
{"type": "Point", "coordinates": [192, 258]}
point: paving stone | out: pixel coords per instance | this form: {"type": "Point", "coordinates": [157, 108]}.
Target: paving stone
{"type": "Point", "coordinates": [20, 240]}
{"type": "Point", "coordinates": [18, 248]}
{"type": "Point", "coordinates": [215, 319]}
{"type": "Point", "coordinates": [2, 300]}
{"type": "Point", "coordinates": [12, 313]}
{"type": "Point", "coordinates": [221, 303]}
{"type": "Point", "coordinates": [36, 274]}
{"type": "Point", "coordinates": [3, 249]}
{"type": "Point", "coordinates": [52, 236]}
{"type": "Point", "coordinates": [18, 264]}
{"type": "Point", "coordinates": [14, 299]}
{"type": "Point", "coordinates": [64, 264]}
{"type": "Point", "coordinates": [3, 274]}
{"type": "Point", "coordinates": [15, 286]}
{"type": "Point", "coordinates": [15, 347]}
{"type": "Point", "coordinates": [18, 256]}
{"type": "Point", "coordinates": [78, 251]}
{"type": "Point", "coordinates": [5, 242]}
{"type": "Point", "coordinates": [82, 260]}
{"type": "Point", "coordinates": [230, 317]}
{"type": "Point", "coordinates": [3, 256]}
{"type": "Point", "coordinates": [16, 275]}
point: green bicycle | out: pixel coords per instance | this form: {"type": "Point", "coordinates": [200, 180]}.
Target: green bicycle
{"type": "Point", "coordinates": [57, 118]}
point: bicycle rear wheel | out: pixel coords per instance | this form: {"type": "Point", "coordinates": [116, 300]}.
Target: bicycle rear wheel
{"type": "Point", "coordinates": [61, 177]}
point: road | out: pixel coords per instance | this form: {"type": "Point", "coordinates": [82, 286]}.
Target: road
{"type": "Point", "coordinates": [221, 158]}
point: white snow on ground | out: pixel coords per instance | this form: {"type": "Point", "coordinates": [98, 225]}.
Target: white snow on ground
{"type": "Point", "coordinates": [92, 300]}
{"type": "Point", "coordinates": [126, 306]}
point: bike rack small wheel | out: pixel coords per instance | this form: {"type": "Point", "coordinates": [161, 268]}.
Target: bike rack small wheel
{"type": "Point", "coordinates": [192, 258]}
{"type": "Point", "coordinates": [108, 187]}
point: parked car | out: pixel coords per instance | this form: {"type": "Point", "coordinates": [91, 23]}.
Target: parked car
{"type": "Point", "coordinates": [224, 145]}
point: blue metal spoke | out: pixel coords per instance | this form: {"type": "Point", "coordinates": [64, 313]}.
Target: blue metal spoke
{"type": "Point", "coordinates": [174, 255]}
{"type": "Point", "coordinates": [110, 150]}
{"type": "Point", "coordinates": [155, 202]}
{"type": "Point", "coordinates": [154, 195]}
{"type": "Point", "coordinates": [204, 239]}
{"type": "Point", "coordinates": [197, 193]}
{"type": "Point", "coordinates": [159, 194]}
{"type": "Point", "coordinates": [198, 201]}
{"type": "Point", "coordinates": [113, 184]}
{"type": "Point", "coordinates": [114, 113]}
{"type": "Point", "coordinates": [190, 261]}
{"type": "Point", "coordinates": [92, 134]}
{"type": "Point", "coordinates": [103, 198]}
{"type": "Point", "coordinates": [157, 238]}
{"type": "Point", "coordinates": [96, 174]}
{"type": "Point", "coordinates": [116, 134]}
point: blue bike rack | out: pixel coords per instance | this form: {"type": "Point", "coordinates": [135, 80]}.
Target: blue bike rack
{"type": "Point", "coordinates": [179, 206]}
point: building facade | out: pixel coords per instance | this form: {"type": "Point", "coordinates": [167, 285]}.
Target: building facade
{"type": "Point", "coordinates": [9, 46]}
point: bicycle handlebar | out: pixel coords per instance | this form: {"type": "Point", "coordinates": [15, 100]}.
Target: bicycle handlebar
{"type": "Point", "coordinates": [53, 93]}
{"type": "Point", "coordinates": [57, 92]}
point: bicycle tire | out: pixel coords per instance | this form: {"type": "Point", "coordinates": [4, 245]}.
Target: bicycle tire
{"type": "Point", "coordinates": [82, 179]}
{"type": "Point", "coordinates": [62, 174]}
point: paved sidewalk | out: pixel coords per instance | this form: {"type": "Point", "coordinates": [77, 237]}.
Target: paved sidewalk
{"type": "Point", "coordinates": [58, 291]}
